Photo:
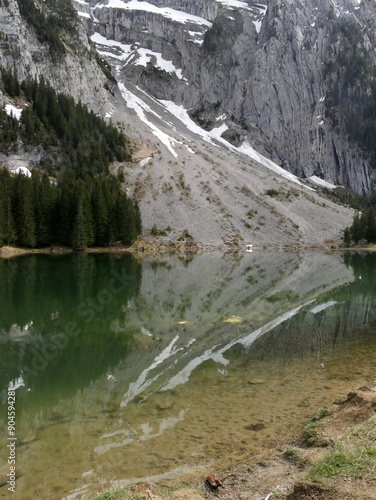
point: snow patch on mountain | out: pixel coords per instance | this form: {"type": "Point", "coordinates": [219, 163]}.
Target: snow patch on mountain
{"type": "Point", "coordinates": [216, 135]}
{"type": "Point", "coordinates": [13, 111]}
{"type": "Point", "coordinates": [175, 15]}
{"type": "Point", "coordinates": [141, 108]}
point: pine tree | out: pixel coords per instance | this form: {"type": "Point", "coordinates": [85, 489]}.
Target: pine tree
{"type": "Point", "coordinates": [7, 222]}
{"type": "Point", "coordinates": [27, 119]}
{"type": "Point", "coordinates": [80, 230]}
{"type": "Point", "coordinates": [76, 212]}
{"type": "Point", "coordinates": [127, 220]}
{"type": "Point", "coordinates": [83, 234]}
{"type": "Point", "coordinates": [100, 211]}
{"type": "Point", "coordinates": [347, 237]}
{"type": "Point", "coordinates": [358, 228]}
{"type": "Point", "coordinates": [138, 218]}
{"type": "Point", "coordinates": [9, 229]}
{"type": "Point", "coordinates": [1, 223]}
{"type": "Point", "coordinates": [44, 208]}
{"type": "Point", "coordinates": [370, 218]}
{"type": "Point", "coordinates": [25, 210]}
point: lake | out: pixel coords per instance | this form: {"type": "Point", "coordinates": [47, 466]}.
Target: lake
{"type": "Point", "coordinates": [174, 368]}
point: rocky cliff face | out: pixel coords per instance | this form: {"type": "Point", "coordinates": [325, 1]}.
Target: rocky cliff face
{"type": "Point", "coordinates": [274, 72]}
{"type": "Point", "coordinates": [202, 88]}
{"type": "Point", "coordinates": [26, 49]}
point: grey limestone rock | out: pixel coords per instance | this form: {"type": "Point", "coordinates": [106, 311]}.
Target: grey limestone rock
{"type": "Point", "coordinates": [271, 67]}
{"type": "Point", "coordinates": [76, 73]}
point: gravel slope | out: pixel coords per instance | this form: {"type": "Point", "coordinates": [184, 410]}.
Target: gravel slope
{"type": "Point", "coordinates": [214, 192]}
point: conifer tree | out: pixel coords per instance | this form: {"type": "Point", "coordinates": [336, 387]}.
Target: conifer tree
{"type": "Point", "coordinates": [370, 233]}
{"type": "Point", "coordinates": [25, 216]}
{"type": "Point", "coordinates": [76, 212]}
{"type": "Point", "coordinates": [83, 235]}
{"type": "Point", "coordinates": [347, 237]}
{"type": "Point", "coordinates": [358, 228]}
{"type": "Point", "coordinates": [7, 222]}
{"type": "Point", "coordinates": [1, 223]}
{"type": "Point", "coordinates": [9, 229]}
{"type": "Point", "coordinates": [138, 218]}
{"type": "Point", "coordinates": [101, 216]}
{"type": "Point", "coordinates": [80, 230]}
{"type": "Point", "coordinates": [44, 208]}
{"type": "Point", "coordinates": [27, 119]}
{"type": "Point", "coordinates": [127, 220]}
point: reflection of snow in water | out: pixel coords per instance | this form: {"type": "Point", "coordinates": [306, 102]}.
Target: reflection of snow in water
{"type": "Point", "coordinates": [322, 307]}
{"type": "Point", "coordinates": [176, 473]}
{"type": "Point", "coordinates": [16, 333]}
{"type": "Point", "coordinates": [77, 492]}
{"type": "Point", "coordinates": [213, 353]}
{"type": "Point", "coordinates": [15, 384]}
{"type": "Point", "coordinates": [183, 376]}
{"type": "Point", "coordinates": [141, 384]}
{"type": "Point", "coordinates": [145, 430]}
{"type": "Point", "coordinates": [130, 436]}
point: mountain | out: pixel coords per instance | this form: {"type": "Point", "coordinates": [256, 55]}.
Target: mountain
{"type": "Point", "coordinates": [47, 38]}
{"type": "Point", "coordinates": [232, 105]}
{"type": "Point", "coordinates": [294, 78]}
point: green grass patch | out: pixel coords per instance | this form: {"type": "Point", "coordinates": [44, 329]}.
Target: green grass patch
{"type": "Point", "coordinates": [343, 461]}
{"type": "Point", "coordinates": [312, 436]}
{"type": "Point", "coordinates": [120, 494]}
{"type": "Point", "coordinates": [171, 489]}
{"type": "Point", "coordinates": [353, 456]}
{"type": "Point", "coordinates": [365, 431]}
{"type": "Point", "coordinates": [294, 456]}
{"type": "Point", "coordinates": [112, 495]}
{"type": "Point", "coordinates": [320, 413]}
{"type": "Point", "coordinates": [272, 192]}
{"type": "Point", "coordinates": [341, 399]}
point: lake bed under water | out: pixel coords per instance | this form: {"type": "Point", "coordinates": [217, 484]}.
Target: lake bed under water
{"type": "Point", "coordinates": [128, 371]}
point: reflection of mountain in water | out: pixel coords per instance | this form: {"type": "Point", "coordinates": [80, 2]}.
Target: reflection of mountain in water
{"type": "Point", "coordinates": [143, 368]}
{"type": "Point", "coordinates": [41, 289]}
{"type": "Point", "coordinates": [336, 319]}
{"type": "Point", "coordinates": [43, 298]}
{"type": "Point", "coordinates": [281, 305]}
{"type": "Point", "coordinates": [186, 311]}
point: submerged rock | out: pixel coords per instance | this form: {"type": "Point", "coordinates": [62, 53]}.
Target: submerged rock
{"type": "Point", "coordinates": [233, 319]}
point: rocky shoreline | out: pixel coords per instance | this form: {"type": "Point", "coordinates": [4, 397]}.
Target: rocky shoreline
{"type": "Point", "coordinates": [145, 247]}
{"type": "Point", "coordinates": [334, 459]}
{"type": "Point", "coordinates": [157, 246]}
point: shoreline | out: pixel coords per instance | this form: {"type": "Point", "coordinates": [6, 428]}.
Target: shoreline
{"type": "Point", "coordinates": [304, 467]}
{"type": "Point", "coordinates": [157, 247]}
{"type": "Point", "coordinates": [154, 248]}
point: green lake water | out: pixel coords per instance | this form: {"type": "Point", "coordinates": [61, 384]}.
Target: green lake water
{"type": "Point", "coordinates": [175, 368]}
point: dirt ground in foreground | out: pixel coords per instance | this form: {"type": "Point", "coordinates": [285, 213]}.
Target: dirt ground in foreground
{"type": "Point", "coordinates": [281, 477]}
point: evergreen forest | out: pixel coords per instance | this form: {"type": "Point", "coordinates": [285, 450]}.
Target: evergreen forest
{"type": "Point", "coordinates": [50, 21]}
{"type": "Point", "coordinates": [78, 212]}
{"type": "Point", "coordinates": [363, 228]}
{"type": "Point", "coordinates": [72, 137]}
{"type": "Point", "coordinates": [71, 198]}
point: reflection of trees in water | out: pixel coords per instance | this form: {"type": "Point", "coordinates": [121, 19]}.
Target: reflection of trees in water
{"type": "Point", "coordinates": [47, 292]}
{"type": "Point", "coordinates": [352, 317]}
{"type": "Point", "coordinates": [42, 288]}
{"type": "Point", "coordinates": [40, 295]}
{"type": "Point", "coordinates": [364, 267]}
